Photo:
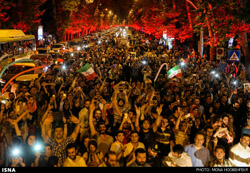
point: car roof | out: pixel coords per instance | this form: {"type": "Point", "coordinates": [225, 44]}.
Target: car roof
{"type": "Point", "coordinates": [58, 44]}
{"type": "Point", "coordinates": [42, 48]}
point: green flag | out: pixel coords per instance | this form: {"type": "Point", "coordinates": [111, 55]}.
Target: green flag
{"type": "Point", "coordinates": [175, 71]}
{"type": "Point", "coordinates": [87, 71]}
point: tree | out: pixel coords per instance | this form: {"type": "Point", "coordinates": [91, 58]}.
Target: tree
{"type": "Point", "coordinates": [3, 14]}
{"type": "Point", "coordinates": [220, 22]}
{"type": "Point", "coordinates": [245, 16]}
{"type": "Point", "coordinates": [158, 16]}
{"type": "Point", "coordinates": [24, 15]}
{"type": "Point", "coordinates": [62, 13]}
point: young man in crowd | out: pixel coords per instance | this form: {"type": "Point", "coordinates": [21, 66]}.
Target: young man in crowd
{"type": "Point", "coordinates": [219, 158]}
{"type": "Point", "coordinates": [110, 160]}
{"type": "Point", "coordinates": [73, 160]}
{"type": "Point", "coordinates": [140, 158]}
{"type": "Point", "coordinates": [59, 143]}
{"type": "Point", "coordinates": [239, 154]}
{"type": "Point", "coordinates": [104, 140]}
{"type": "Point", "coordinates": [200, 155]}
{"type": "Point", "coordinates": [117, 147]}
{"type": "Point", "coordinates": [177, 158]}
{"type": "Point", "coordinates": [131, 147]}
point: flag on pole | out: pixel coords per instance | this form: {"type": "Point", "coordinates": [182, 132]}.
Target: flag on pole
{"type": "Point", "coordinates": [175, 71]}
{"type": "Point", "coordinates": [87, 71]}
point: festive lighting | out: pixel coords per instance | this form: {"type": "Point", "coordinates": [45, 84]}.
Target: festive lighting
{"type": "Point", "coordinates": [38, 147]}
{"type": "Point", "coordinates": [89, 1]}
{"type": "Point", "coordinates": [64, 67]}
{"type": "Point", "coordinates": [16, 152]}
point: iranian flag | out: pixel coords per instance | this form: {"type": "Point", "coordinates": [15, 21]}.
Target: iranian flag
{"type": "Point", "coordinates": [88, 71]}
{"type": "Point", "coordinates": [175, 71]}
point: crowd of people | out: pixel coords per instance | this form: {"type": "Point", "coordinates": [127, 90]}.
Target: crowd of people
{"type": "Point", "coordinates": [125, 117]}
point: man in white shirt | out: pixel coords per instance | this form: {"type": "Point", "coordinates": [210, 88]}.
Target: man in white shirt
{"type": "Point", "coordinates": [118, 146]}
{"type": "Point", "coordinates": [239, 154]}
{"type": "Point", "coordinates": [73, 160]}
{"type": "Point", "coordinates": [178, 158]}
{"type": "Point", "coordinates": [130, 148]}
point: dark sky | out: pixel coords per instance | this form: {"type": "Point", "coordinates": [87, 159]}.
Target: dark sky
{"type": "Point", "coordinates": [120, 7]}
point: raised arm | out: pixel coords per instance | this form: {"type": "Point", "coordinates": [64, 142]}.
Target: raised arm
{"type": "Point", "coordinates": [138, 113]}
{"type": "Point", "coordinates": [178, 122]}
{"type": "Point", "coordinates": [149, 105]}
{"type": "Point", "coordinates": [114, 103]}
{"type": "Point", "coordinates": [45, 114]}
{"type": "Point", "coordinates": [46, 128]}
{"type": "Point", "coordinates": [22, 115]}
{"type": "Point", "coordinates": [91, 124]}
{"type": "Point", "coordinates": [46, 125]}
{"type": "Point", "coordinates": [102, 86]}
{"type": "Point", "coordinates": [158, 119]}
{"type": "Point", "coordinates": [104, 111]}
{"type": "Point", "coordinates": [14, 123]}
{"type": "Point", "coordinates": [126, 99]}
{"type": "Point", "coordinates": [65, 129]}
{"type": "Point", "coordinates": [77, 127]}
{"type": "Point", "coordinates": [44, 87]}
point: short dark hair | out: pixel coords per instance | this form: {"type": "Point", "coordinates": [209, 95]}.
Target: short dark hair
{"type": "Point", "coordinates": [208, 127]}
{"type": "Point", "coordinates": [146, 119]}
{"type": "Point", "coordinates": [48, 145]}
{"type": "Point", "coordinates": [109, 153]}
{"type": "Point", "coordinates": [101, 122]}
{"type": "Point", "coordinates": [199, 133]}
{"type": "Point", "coordinates": [119, 131]}
{"type": "Point", "coordinates": [139, 150]}
{"type": "Point", "coordinates": [33, 87]}
{"type": "Point", "coordinates": [134, 131]}
{"type": "Point", "coordinates": [52, 161]}
{"type": "Point", "coordinates": [178, 148]}
{"type": "Point", "coordinates": [58, 126]}
{"type": "Point", "coordinates": [245, 134]}
{"type": "Point", "coordinates": [92, 142]}
{"type": "Point", "coordinates": [220, 147]}
{"type": "Point", "coordinates": [87, 100]}
{"type": "Point", "coordinates": [71, 145]}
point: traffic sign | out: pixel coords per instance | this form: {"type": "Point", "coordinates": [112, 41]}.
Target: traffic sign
{"type": "Point", "coordinates": [219, 53]}
{"type": "Point", "coordinates": [234, 55]}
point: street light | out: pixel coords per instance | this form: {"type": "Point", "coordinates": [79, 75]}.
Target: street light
{"type": "Point", "coordinates": [89, 1]}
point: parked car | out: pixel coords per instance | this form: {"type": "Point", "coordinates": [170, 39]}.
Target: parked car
{"type": "Point", "coordinates": [44, 58]}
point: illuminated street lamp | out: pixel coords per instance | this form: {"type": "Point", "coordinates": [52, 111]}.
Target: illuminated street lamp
{"type": "Point", "coordinates": [89, 1]}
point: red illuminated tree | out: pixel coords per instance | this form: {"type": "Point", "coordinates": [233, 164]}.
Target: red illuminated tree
{"type": "Point", "coordinates": [218, 19]}
{"type": "Point", "coordinates": [220, 22]}
{"type": "Point", "coordinates": [4, 6]}
{"type": "Point", "coordinates": [170, 16]}
{"type": "Point", "coordinates": [24, 15]}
